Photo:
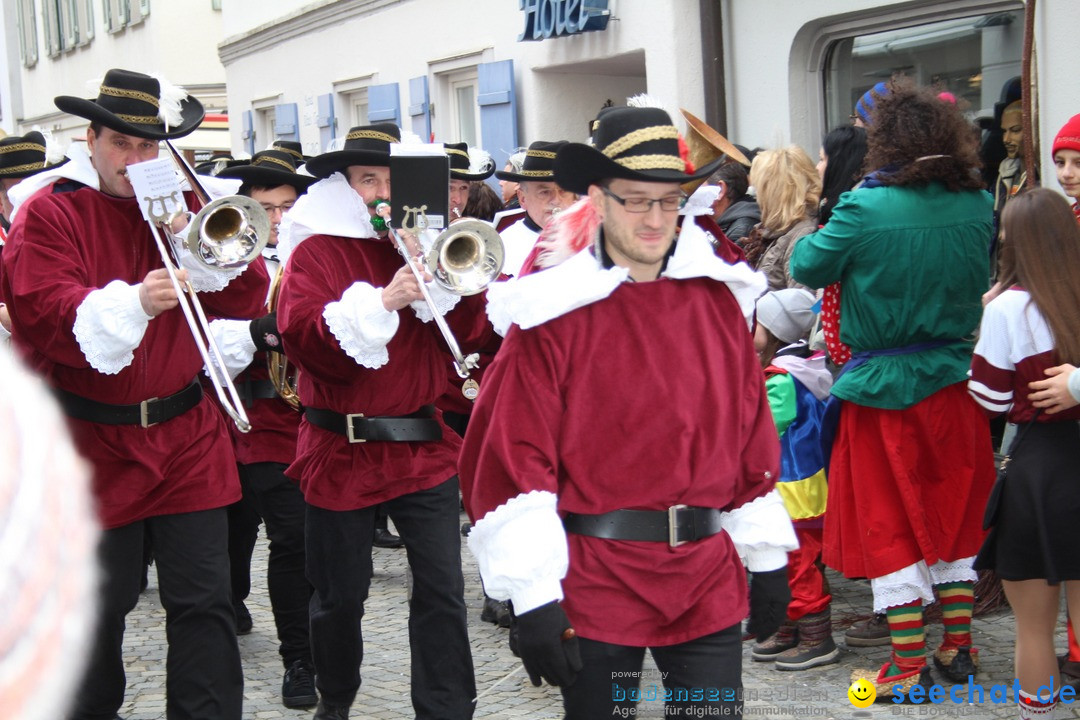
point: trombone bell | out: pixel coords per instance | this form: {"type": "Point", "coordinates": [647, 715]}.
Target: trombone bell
{"type": "Point", "coordinates": [229, 232]}
{"type": "Point", "coordinates": [466, 257]}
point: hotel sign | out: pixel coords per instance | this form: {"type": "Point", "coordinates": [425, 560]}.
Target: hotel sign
{"type": "Point", "coordinates": [557, 18]}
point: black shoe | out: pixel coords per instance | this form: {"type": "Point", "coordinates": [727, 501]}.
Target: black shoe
{"type": "Point", "coordinates": [331, 712]}
{"type": "Point", "coordinates": [386, 539]}
{"type": "Point", "coordinates": [243, 618]}
{"type": "Point", "coordinates": [298, 686]}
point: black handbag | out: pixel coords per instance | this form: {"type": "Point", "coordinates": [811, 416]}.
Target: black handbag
{"type": "Point", "coordinates": [993, 503]}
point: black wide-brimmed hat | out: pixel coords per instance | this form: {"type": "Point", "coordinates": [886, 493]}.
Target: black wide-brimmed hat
{"type": "Point", "coordinates": [364, 145]}
{"type": "Point", "coordinates": [270, 168]}
{"type": "Point", "coordinates": [24, 155]}
{"type": "Point", "coordinates": [633, 143]}
{"type": "Point", "coordinates": [135, 104]}
{"type": "Point", "coordinates": [293, 148]}
{"type": "Point", "coordinates": [464, 165]}
{"type": "Point", "coordinates": [539, 163]}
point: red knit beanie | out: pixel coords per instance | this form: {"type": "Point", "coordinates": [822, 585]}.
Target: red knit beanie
{"type": "Point", "coordinates": [1069, 136]}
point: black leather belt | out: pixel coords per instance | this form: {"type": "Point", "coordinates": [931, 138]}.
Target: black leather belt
{"type": "Point", "coordinates": [677, 525]}
{"type": "Point", "coordinates": [417, 427]}
{"type": "Point", "coordinates": [251, 390]}
{"type": "Point", "coordinates": [147, 413]}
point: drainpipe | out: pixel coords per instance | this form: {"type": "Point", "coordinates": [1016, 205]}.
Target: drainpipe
{"type": "Point", "coordinates": [712, 63]}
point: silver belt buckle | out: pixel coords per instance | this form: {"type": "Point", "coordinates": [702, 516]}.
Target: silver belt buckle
{"type": "Point", "coordinates": [144, 412]}
{"type": "Point", "coordinates": [673, 526]}
{"type": "Point", "coordinates": [349, 428]}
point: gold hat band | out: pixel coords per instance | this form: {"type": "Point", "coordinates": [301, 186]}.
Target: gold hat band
{"type": "Point", "coordinates": [546, 154]}
{"type": "Point", "coordinates": [140, 119]}
{"type": "Point", "coordinates": [23, 168]}
{"type": "Point", "coordinates": [537, 173]}
{"type": "Point", "coordinates": [455, 151]}
{"type": "Point", "coordinates": [652, 162]}
{"type": "Point", "coordinates": [264, 159]}
{"type": "Point", "coordinates": [637, 137]}
{"type": "Point", "coordinates": [22, 146]}
{"type": "Point", "coordinates": [371, 135]}
{"type": "Point", "coordinates": [133, 94]}
{"type": "Point", "coordinates": [298, 156]}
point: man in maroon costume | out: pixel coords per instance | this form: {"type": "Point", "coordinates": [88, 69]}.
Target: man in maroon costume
{"type": "Point", "coordinates": [371, 366]}
{"type": "Point", "coordinates": [95, 313]}
{"type": "Point", "coordinates": [622, 456]}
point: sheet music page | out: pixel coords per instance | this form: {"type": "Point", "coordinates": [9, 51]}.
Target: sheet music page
{"type": "Point", "coordinates": [157, 188]}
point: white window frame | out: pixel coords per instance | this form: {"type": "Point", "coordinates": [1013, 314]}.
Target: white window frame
{"type": "Point", "coordinates": [83, 13]}
{"type": "Point", "coordinates": [447, 74]}
{"type": "Point", "coordinates": [352, 94]}
{"type": "Point", "coordinates": [262, 120]}
{"type": "Point", "coordinates": [455, 81]}
{"type": "Point", "coordinates": [812, 44]}
{"type": "Point", "coordinates": [28, 43]}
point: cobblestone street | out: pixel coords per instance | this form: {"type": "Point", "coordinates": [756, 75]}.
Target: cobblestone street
{"type": "Point", "coordinates": [384, 695]}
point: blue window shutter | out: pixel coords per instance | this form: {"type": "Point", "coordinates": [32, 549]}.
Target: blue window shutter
{"type": "Point", "coordinates": [287, 122]}
{"type": "Point", "coordinates": [383, 104]}
{"type": "Point", "coordinates": [248, 133]}
{"type": "Point", "coordinates": [326, 121]}
{"type": "Point", "coordinates": [498, 110]}
{"type": "Point", "coordinates": [420, 107]}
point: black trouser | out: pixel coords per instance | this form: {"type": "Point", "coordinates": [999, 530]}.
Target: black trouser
{"type": "Point", "coordinates": [704, 677]}
{"type": "Point", "coordinates": [203, 674]}
{"type": "Point", "coordinates": [269, 494]}
{"type": "Point", "coordinates": [340, 568]}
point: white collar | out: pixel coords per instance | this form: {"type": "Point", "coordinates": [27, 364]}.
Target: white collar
{"type": "Point", "coordinates": [329, 207]}
{"type": "Point", "coordinates": [78, 168]}
{"type": "Point", "coordinates": [541, 296]}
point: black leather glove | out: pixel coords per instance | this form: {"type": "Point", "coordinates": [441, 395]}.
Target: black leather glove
{"type": "Point", "coordinates": [769, 598]}
{"type": "Point", "coordinates": [548, 646]}
{"type": "Point", "coordinates": [264, 333]}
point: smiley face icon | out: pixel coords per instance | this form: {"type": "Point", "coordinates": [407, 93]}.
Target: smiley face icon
{"type": "Point", "coordinates": [862, 693]}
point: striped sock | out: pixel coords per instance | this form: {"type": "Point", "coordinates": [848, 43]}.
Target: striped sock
{"type": "Point", "coordinates": [957, 600]}
{"type": "Point", "coordinates": [908, 637]}
{"type": "Point", "coordinates": [1032, 708]}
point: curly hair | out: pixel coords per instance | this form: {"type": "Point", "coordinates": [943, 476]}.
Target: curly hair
{"type": "Point", "coordinates": [788, 187]}
{"type": "Point", "coordinates": [924, 138]}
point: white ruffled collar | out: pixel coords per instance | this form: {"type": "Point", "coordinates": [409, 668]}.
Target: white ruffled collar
{"type": "Point", "coordinates": [329, 207]}
{"type": "Point", "coordinates": [536, 298]}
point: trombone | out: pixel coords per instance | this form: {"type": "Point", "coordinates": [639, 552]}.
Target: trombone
{"type": "Point", "coordinates": [226, 233]}
{"type": "Point", "coordinates": [464, 259]}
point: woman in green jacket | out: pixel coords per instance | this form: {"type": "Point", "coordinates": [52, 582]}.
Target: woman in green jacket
{"type": "Point", "coordinates": [912, 463]}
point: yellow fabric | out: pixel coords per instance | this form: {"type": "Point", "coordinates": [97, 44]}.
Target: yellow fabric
{"type": "Point", "coordinates": [805, 499]}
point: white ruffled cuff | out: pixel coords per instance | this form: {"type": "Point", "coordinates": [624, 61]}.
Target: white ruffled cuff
{"type": "Point", "coordinates": [109, 324]}
{"type": "Point", "coordinates": [204, 278]}
{"type": "Point", "coordinates": [444, 300]}
{"type": "Point", "coordinates": [521, 549]}
{"type": "Point", "coordinates": [233, 338]}
{"type": "Point", "coordinates": [4, 332]}
{"type": "Point", "coordinates": [361, 324]}
{"type": "Point", "coordinates": [762, 532]}
{"type": "Point", "coordinates": [1074, 384]}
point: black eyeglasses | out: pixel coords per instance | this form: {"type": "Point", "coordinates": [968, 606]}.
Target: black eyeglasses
{"type": "Point", "coordinates": [644, 205]}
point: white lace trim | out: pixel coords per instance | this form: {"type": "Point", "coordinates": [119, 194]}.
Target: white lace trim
{"type": "Point", "coordinates": [329, 207]}
{"type": "Point", "coordinates": [204, 278]}
{"type": "Point", "coordinates": [534, 299]}
{"type": "Point", "coordinates": [761, 531]}
{"type": "Point", "coordinates": [915, 582]}
{"type": "Point", "coordinates": [109, 324]}
{"type": "Point", "coordinates": [233, 338]}
{"type": "Point", "coordinates": [521, 550]}
{"type": "Point", "coordinates": [361, 325]}
{"type": "Point", "coordinates": [444, 300]}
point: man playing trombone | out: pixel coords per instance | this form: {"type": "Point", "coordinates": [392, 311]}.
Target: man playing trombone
{"type": "Point", "coordinates": [371, 366]}
{"type": "Point", "coordinates": [95, 312]}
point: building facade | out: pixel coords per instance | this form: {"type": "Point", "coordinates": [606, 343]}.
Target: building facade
{"type": "Point", "coordinates": [61, 47]}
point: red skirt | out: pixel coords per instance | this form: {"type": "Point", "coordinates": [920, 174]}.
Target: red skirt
{"type": "Point", "coordinates": [907, 485]}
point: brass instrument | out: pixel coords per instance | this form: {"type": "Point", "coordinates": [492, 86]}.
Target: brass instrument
{"type": "Point", "coordinates": [282, 375]}
{"type": "Point", "coordinates": [227, 233]}
{"type": "Point", "coordinates": [464, 259]}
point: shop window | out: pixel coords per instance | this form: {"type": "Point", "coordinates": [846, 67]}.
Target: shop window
{"type": "Point", "coordinates": [974, 58]}
{"type": "Point", "coordinates": [28, 49]}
